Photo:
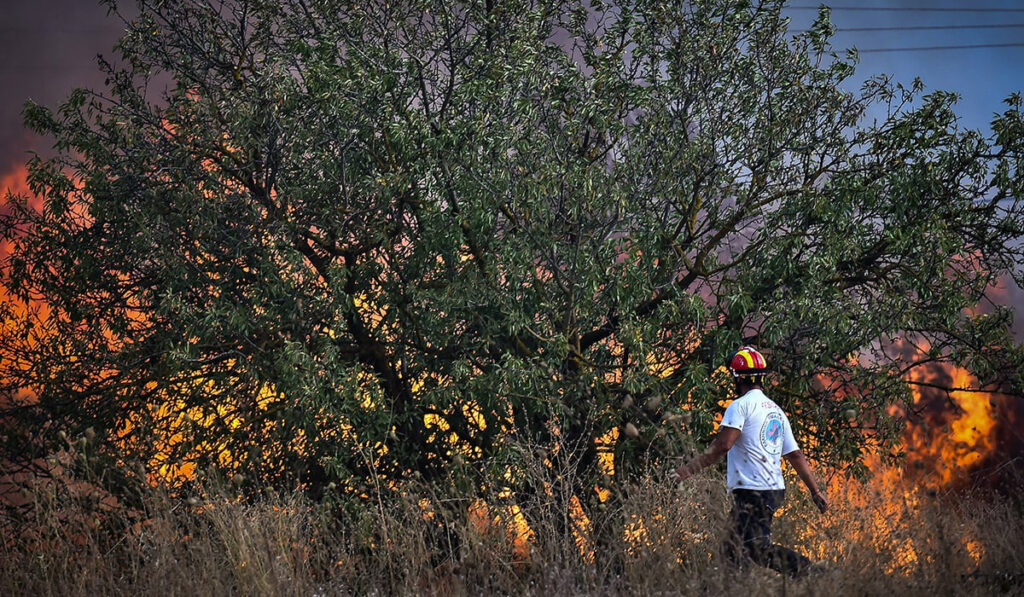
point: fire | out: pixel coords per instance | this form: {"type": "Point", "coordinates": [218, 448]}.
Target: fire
{"type": "Point", "coordinates": [505, 525]}
{"type": "Point", "coordinates": [948, 434]}
{"type": "Point", "coordinates": [14, 182]}
{"type": "Point", "coordinates": [901, 522]}
{"type": "Point", "coordinates": [951, 439]}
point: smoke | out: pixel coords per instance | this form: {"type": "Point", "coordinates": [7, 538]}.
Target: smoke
{"type": "Point", "coordinates": [1007, 293]}
{"type": "Point", "coordinates": [49, 49]}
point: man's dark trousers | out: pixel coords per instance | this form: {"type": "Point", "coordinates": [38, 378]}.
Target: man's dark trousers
{"type": "Point", "coordinates": [751, 531]}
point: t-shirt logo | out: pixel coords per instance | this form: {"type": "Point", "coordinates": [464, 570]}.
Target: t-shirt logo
{"type": "Point", "coordinates": [771, 433]}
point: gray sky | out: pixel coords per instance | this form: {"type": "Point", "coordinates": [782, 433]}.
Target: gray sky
{"type": "Point", "coordinates": [47, 48]}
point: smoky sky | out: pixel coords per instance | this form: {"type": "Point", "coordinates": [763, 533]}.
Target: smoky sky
{"type": "Point", "coordinates": [47, 49]}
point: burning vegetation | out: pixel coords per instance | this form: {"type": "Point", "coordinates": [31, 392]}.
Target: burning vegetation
{"type": "Point", "coordinates": [961, 438]}
{"type": "Point", "coordinates": [960, 455]}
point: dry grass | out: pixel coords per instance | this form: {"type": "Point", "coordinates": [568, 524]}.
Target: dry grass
{"type": "Point", "coordinates": [659, 540]}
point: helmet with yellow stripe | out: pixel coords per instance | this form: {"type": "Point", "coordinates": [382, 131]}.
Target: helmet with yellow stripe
{"type": "Point", "coordinates": [747, 361]}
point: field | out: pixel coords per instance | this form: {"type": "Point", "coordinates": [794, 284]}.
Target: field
{"type": "Point", "coordinates": [879, 538]}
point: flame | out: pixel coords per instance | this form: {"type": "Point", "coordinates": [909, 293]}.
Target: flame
{"type": "Point", "coordinates": [948, 434]}
{"type": "Point", "coordinates": [582, 528]}
{"type": "Point", "coordinates": [14, 182]}
{"type": "Point", "coordinates": [507, 524]}
{"type": "Point", "coordinates": [895, 518]}
{"type": "Point", "coordinates": [951, 430]}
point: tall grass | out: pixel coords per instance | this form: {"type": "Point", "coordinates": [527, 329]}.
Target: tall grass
{"type": "Point", "coordinates": [659, 539]}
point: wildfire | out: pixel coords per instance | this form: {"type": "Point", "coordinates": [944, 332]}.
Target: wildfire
{"type": "Point", "coordinates": [951, 442]}
{"type": "Point", "coordinates": [899, 521]}
{"type": "Point", "coordinates": [948, 434]}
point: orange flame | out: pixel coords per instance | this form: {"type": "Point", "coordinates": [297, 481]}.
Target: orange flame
{"type": "Point", "coordinates": [952, 430]}
{"type": "Point", "coordinates": [948, 434]}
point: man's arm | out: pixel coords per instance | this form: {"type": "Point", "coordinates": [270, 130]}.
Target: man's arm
{"type": "Point", "coordinates": [799, 462]}
{"type": "Point", "coordinates": [726, 437]}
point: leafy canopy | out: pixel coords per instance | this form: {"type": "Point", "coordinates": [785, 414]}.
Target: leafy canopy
{"type": "Point", "coordinates": [323, 242]}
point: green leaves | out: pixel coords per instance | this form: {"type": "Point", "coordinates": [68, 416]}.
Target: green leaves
{"type": "Point", "coordinates": [359, 240]}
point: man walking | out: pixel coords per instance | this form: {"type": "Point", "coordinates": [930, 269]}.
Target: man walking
{"type": "Point", "coordinates": [756, 434]}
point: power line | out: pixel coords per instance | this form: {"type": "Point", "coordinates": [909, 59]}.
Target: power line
{"type": "Point", "coordinates": [931, 48]}
{"type": "Point", "coordinates": [922, 28]}
{"type": "Point", "coordinates": [915, 28]}
{"type": "Point", "coordinates": [903, 9]}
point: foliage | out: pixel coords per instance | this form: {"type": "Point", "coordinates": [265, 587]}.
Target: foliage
{"type": "Point", "coordinates": [328, 244]}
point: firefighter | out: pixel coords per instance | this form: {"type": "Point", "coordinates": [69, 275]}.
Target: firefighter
{"type": "Point", "coordinates": [756, 435]}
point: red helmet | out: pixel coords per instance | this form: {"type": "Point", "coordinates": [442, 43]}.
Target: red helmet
{"type": "Point", "coordinates": [747, 361]}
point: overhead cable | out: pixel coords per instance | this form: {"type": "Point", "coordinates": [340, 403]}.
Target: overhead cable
{"type": "Point", "coordinates": [925, 28]}
{"type": "Point", "coordinates": [930, 48]}
{"type": "Point", "coordinates": [901, 9]}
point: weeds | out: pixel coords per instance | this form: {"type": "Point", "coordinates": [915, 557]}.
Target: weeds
{"type": "Point", "coordinates": [649, 538]}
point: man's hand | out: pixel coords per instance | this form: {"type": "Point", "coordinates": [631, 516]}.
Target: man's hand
{"type": "Point", "coordinates": [820, 501]}
{"type": "Point", "coordinates": [682, 473]}
{"type": "Point", "coordinates": [803, 470]}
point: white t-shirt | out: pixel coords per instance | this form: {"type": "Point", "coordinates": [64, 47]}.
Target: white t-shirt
{"type": "Point", "coordinates": [755, 460]}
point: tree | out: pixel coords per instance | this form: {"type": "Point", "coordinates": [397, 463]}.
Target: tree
{"type": "Point", "coordinates": [323, 243]}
